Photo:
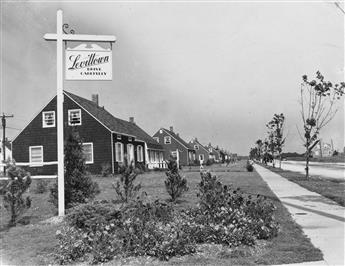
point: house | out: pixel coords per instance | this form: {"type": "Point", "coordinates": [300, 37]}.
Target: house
{"type": "Point", "coordinates": [8, 152]}
{"type": "Point", "coordinates": [201, 152]}
{"type": "Point", "coordinates": [106, 139]}
{"type": "Point", "coordinates": [323, 149]}
{"type": "Point", "coordinates": [214, 153]}
{"type": "Point", "coordinates": [175, 146]}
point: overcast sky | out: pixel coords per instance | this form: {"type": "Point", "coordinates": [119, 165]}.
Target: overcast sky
{"type": "Point", "coordinates": [216, 71]}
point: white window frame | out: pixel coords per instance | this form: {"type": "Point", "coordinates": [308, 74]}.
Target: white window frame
{"type": "Point", "coordinates": [140, 153]}
{"type": "Point", "coordinates": [30, 159]}
{"type": "Point", "coordinates": [156, 139]}
{"type": "Point", "coordinates": [201, 157]}
{"type": "Point", "coordinates": [69, 117]}
{"type": "Point", "coordinates": [129, 154]}
{"type": "Point", "coordinates": [174, 154]}
{"type": "Point", "coordinates": [44, 124]}
{"type": "Point", "coordinates": [89, 143]}
{"type": "Point", "coordinates": [196, 147]}
{"type": "Point", "coordinates": [119, 160]}
{"type": "Point", "coordinates": [167, 138]}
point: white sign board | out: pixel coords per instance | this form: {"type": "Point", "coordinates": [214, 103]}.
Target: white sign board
{"type": "Point", "coordinates": [88, 63]}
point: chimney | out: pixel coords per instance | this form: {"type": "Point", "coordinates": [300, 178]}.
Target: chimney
{"type": "Point", "coordinates": [131, 119]}
{"type": "Point", "coordinates": [177, 134]}
{"type": "Point", "coordinates": [94, 98]}
{"type": "Point", "coordinates": [171, 129]}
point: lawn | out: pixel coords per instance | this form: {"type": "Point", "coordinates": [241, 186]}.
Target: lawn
{"type": "Point", "coordinates": [33, 244]}
{"type": "Point", "coordinates": [330, 188]}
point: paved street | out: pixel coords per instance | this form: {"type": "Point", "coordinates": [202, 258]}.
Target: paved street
{"type": "Point", "coordinates": [329, 170]}
{"type": "Point", "coordinates": [321, 219]}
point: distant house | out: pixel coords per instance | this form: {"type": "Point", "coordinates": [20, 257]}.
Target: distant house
{"type": "Point", "coordinates": [8, 152]}
{"type": "Point", "coordinates": [175, 146]}
{"type": "Point", "coordinates": [201, 152]}
{"type": "Point", "coordinates": [214, 153]}
{"type": "Point", "coordinates": [106, 139]}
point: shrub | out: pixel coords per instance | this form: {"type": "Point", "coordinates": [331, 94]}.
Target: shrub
{"type": "Point", "coordinates": [41, 186]}
{"type": "Point", "coordinates": [13, 200]}
{"type": "Point", "coordinates": [79, 187]}
{"type": "Point", "coordinates": [249, 167]}
{"type": "Point", "coordinates": [175, 184]}
{"type": "Point", "coordinates": [223, 205]}
{"type": "Point", "coordinates": [125, 188]}
{"type": "Point", "coordinates": [105, 169]}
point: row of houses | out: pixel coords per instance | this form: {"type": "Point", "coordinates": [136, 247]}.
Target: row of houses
{"type": "Point", "coordinates": [107, 140]}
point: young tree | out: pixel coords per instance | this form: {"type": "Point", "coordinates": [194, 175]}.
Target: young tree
{"type": "Point", "coordinates": [175, 184]}
{"type": "Point", "coordinates": [13, 199]}
{"type": "Point", "coordinates": [125, 188]}
{"type": "Point", "coordinates": [79, 187]}
{"type": "Point", "coordinates": [276, 139]}
{"type": "Point", "coordinates": [318, 107]}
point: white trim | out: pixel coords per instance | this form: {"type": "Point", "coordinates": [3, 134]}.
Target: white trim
{"type": "Point", "coordinates": [88, 143]}
{"type": "Point", "coordinates": [44, 125]}
{"type": "Point", "coordinates": [69, 116]}
{"type": "Point", "coordinates": [203, 159]}
{"type": "Point", "coordinates": [119, 160]}
{"type": "Point", "coordinates": [34, 164]}
{"type": "Point", "coordinates": [112, 151]}
{"type": "Point", "coordinates": [166, 138]}
{"type": "Point", "coordinates": [140, 153]}
{"type": "Point", "coordinates": [42, 164]}
{"type": "Point", "coordinates": [130, 160]}
{"type": "Point", "coordinates": [33, 119]}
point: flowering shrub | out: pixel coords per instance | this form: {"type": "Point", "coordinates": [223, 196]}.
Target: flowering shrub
{"type": "Point", "coordinates": [223, 216]}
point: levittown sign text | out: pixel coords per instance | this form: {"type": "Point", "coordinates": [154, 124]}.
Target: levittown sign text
{"type": "Point", "coordinates": [83, 63]}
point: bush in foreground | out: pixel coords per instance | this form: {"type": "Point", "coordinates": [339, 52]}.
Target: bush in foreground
{"type": "Point", "coordinates": [224, 216]}
{"type": "Point", "coordinates": [175, 184]}
{"type": "Point", "coordinates": [14, 201]}
{"type": "Point", "coordinates": [79, 187]}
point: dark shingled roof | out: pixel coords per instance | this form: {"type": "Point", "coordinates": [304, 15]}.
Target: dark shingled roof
{"type": "Point", "coordinates": [179, 139]}
{"type": "Point", "coordinates": [113, 123]}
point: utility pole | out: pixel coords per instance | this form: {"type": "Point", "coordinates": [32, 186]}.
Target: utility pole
{"type": "Point", "coordinates": [3, 120]}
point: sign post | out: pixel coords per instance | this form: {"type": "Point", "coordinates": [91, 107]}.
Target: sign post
{"type": "Point", "coordinates": [60, 37]}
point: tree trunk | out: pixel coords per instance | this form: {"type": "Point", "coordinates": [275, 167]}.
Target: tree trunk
{"type": "Point", "coordinates": [307, 165]}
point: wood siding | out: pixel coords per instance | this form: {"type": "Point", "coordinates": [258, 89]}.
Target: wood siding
{"type": "Point", "coordinates": [35, 135]}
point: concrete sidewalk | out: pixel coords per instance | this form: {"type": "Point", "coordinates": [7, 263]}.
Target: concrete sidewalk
{"type": "Point", "coordinates": [321, 219]}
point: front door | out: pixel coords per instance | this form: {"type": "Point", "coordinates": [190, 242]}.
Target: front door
{"type": "Point", "coordinates": [130, 153]}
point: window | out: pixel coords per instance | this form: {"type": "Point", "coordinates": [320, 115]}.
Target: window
{"type": "Point", "coordinates": [119, 152]}
{"type": "Point", "coordinates": [174, 154]}
{"type": "Point", "coordinates": [74, 117]}
{"type": "Point", "coordinates": [161, 157]}
{"type": "Point", "coordinates": [130, 153]}
{"type": "Point", "coordinates": [156, 139]}
{"type": "Point", "coordinates": [160, 131]}
{"type": "Point", "coordinates": [210, 149]}
{"type": "Point", "coordinates": [167, 140]}
{"type": "Point", "coordinates": [48, 119]}
{"type": "Point", "coordinates": [88, 152]}
{"type": "Point", "coordinates": [130, 138]}
{"type": "Point", "coordinates": [201, 157]}
{"type": "Point", "coordinates": [118, 137]}
{"type": "Point", "coordinates": [36, 155]}
{"type": "Point", "coordinates": [140, 154]}
{"type": "Point", "coordinates": [196, 147]}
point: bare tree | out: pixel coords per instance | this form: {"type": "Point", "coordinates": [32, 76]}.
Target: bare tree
{"type": "Point", "coordinates": [318, 107]}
